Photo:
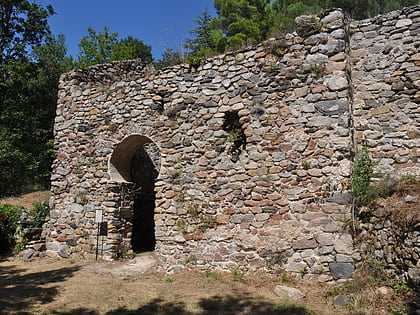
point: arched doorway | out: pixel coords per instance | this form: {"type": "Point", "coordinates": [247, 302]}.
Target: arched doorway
{"type": "Point", "coordinates": [137, 160]}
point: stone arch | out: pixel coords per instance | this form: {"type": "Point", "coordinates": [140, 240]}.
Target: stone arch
{"type": "Point", "coordinates": [137, 160]}
{"type": "Point", "coordinates": [119, 166]}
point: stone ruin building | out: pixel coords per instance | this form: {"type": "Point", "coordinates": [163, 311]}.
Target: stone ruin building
{"type": "Point", "coordinates": [243, 162]}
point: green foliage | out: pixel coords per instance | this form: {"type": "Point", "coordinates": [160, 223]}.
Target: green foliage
{"type": "Point", "coordinates": [193, 210]}
{"type": "Point", "coordinates": [194, 61]}
{"type": "Point", "coordinates": [207, 41]}
{"type": "Point", "coordinates": [31, 63]}
{"type": "Point", "coordinates": [318, 70]}
{"type": "Point", "coordinates": [23, 25]}
{"type": "Point", "coordinates": [361, 9]}
{"type": "Point", "coordinates": [9, 217]}
{"type": "Point", "coordinates": [20, 244]}
{"type": "Point", "coordinates": [207, 222]}
{"type": "Point", "coordinates": [370, 273]}
{"type": "Point", "coordinates": [235, 135]}
{"type": "Point", "coordinates": [306, 165]}
{"type": "Point", "coordinates": [169, 58]}
{"type": "Point", "coordinates": [104, 46]}
{"type": "Point", "coordinates": [284, 13]}
{"type": "Point", "coordinates": [192, 259]}
{"type": "Point", "coordinates": [212, 274]}
{"type": "Point", "coordinates": [39, 213]}
{"type": "Point", "coordinates": [361, 187]}
{"type": "Point", "coordinates": [238, 273]}
{"type": "Point", "coordinates": [243, 21]}
{"type": "Point", "coordinates": [182, 225]}
{"type": "Point", "coordinates": [132, 48]}
{"type": "Point", "coordinates": [286, 276]}
{"type": "Point", "coordinates": [113, 127]}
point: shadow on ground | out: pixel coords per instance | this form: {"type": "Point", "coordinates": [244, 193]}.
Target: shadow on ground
{"type": "Point", "coordinates": [215, 305]}
{"type": "Point", "coordinates": [19, 291]}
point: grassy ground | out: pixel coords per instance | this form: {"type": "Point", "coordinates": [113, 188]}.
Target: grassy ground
{"type": "Point", "coordinates": [66, 287]}
{"type": "Point", "coordinates": [47, 286]}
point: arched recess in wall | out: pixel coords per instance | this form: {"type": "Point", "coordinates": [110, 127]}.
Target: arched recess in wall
{"type": "Point", "coordinates": [137, 160]}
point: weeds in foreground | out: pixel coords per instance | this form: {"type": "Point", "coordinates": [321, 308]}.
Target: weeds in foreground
{"type": "Point", "coordinates": [212, 274]}
{"type": "Point", "coordinates": [238, 274]}
{"type": "Point", "coordinates": [363, 290]}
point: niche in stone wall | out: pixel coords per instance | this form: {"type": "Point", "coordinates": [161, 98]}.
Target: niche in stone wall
{"type": "Point", "coordinates": [137, 160]}
{"type": "Point", "coordinates": [236, 136]}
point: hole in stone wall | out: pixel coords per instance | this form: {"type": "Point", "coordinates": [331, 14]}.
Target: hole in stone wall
{"type": "Point", "coordinates": [143, 169]}
{"type": "Point", "coordinates": [236, 135]}
{"type": "Point", "coordinates": [137, 160]}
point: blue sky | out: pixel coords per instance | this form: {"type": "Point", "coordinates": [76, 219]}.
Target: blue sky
{"type": "Point", "coordinates": [158, 23]}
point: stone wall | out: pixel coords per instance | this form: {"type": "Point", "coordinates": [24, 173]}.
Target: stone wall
{"type": "Point", "coordinates": [385, 71]}
{"type": "Point", "coordinates": [385, 64]}
{"type": "Point", "coordinates": [253, 149]}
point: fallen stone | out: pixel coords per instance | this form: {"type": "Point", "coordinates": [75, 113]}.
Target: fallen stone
{"type": "Point", "coordinates": [28, 254]}
{"type": "Point", "coordinates": [342, 301]}
{"type": "Point", "coordinates": [288, 293]}
{"type": "Point", "coordinates": [414, 277]}
{"type": "Point", "coordinates": [383, 291]}
{"type": "Point", "coordinates": [341, 270]}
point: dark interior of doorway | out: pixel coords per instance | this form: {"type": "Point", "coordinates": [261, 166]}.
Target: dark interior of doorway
{"type": "Point", "coordinates": [143, 174]}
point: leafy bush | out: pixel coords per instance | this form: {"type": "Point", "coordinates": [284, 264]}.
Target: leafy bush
{"type": "Point", "coordinates": [194, 61]}
{"type": "Point", "coordinates": [9, 217]}
{"type": "Point", "coordinates": [363, 191]}
{"type": "Point", "coordinates": [39, 213]}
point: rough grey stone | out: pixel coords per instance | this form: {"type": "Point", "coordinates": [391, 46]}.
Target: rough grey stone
{"type": "Point", "coordinates": [342, 301]}
{"type": "Point", "coordinates": [305, 244]}
{"type": "Point", "coordinates": [306, 25]}
{"type": "Point", "coordinates": [341, 198]}
{"type": "Point", "coordinates": [337, 83]}
{"type": "Point", "coordinates": [414, 277]}
{"type": "Point", "coordinates": [28, 254]}
{"type": "Point", "coordinates": [332, 107]}
{"type": "Point", "coordinates": [341, 270]}
{"type": "Point", "coordinates": [288, 293]}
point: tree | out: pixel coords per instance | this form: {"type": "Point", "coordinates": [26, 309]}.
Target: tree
{"type": "Point", "coordinates": [132, 48]}
{"type": "Point", "coordinates": [26, 121]}
{"type": "Point", "coordinates": [361, 9]}
{"type": "Point", "coordinates": [207, 41]}
{"type": "Point", "coordinates": [285, 11]}
{"type": "Point", "coordinates": [243, 21]}
{"type": "Point", "coordinates": [31, 61]}
{"type": "Point", "coordinates": [169, 58]}
{"type": "Point", "coordinates": [23, 24]}
{"type": "Point", "coordinates": [104, 46]}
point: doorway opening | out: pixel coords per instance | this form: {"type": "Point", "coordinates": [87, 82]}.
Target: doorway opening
{"type": "Point", "coordinates": [137, 160]}
{"type": "Point", "coordinates": [143, 173]}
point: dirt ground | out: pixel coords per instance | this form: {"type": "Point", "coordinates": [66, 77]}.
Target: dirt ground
{"type": "Point", "coordinates": [27, 201]}
{"type": "Point", "coordinates": [46, 286]}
